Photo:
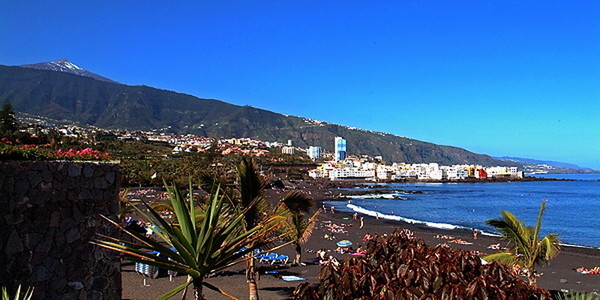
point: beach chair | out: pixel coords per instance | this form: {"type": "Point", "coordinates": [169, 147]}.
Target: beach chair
{"type": "Point", "coordinates": [280, 259]}
{"type": "Point", "coordinates": [147, 270]}
{"type": "Point", "coordinates": [265, 256]}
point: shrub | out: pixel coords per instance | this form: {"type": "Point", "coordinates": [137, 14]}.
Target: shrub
{"type": "Point", "coordinates": [400, 267]}
{"type": "Point", "coordinates": [9, 151]}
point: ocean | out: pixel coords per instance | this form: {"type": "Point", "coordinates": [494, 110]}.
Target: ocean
{"type": "Point", "coordinates": [573, 209]}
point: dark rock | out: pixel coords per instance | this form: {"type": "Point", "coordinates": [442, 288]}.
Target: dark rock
{"type": "Point", "coordinates": [77, 214]}
{"type": "Point", "coordinates": [72, 235]}
{"type": "Point", "coordinates": [100, 283]}
{"type": "Point", "coordinates": [58, 284]}
{"type": "Point", "coordinates": [46, 176]}
{"type": "Point", "coordinates": [41, 274]}
{"type": "Point", "coordinates": [45, 245]}
{"type": "Point", "coordinates": [110, 177]}
{"type": "Point", "coordinates": [100, 183]}
{"type": "Point", "coordinates": [54, 219]}
{"type": "Point", "coordinates": [13, 244]}
{"type": "Point", "coordinates": [74, 170]}
{"type": "Point", "coordinates": [76, 285]}
{"type": "Point", "coordinates": [45, 186]}
{"type": "Point", "coordinates": [13, 219]}
{"type": "Point", "coordinates": [88, 171]}
{"type": "Point", "coordinates": [34, 180]}
{"type": "Point", "coordinates": [84, 195]}
{"type": "Point", "coordinates": [94, 295]}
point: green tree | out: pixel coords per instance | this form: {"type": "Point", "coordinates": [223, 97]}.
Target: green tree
{"type": "Point", "coordinates": [8, 122]}
{"type": "Point", "coordinates": [296, 205]}
{"type": "Point", "coordinates": [193, 247]}
{"type": "Point", "coordinates": [526, 249]}
{"type": "Point", "coordinates": [251, 186]}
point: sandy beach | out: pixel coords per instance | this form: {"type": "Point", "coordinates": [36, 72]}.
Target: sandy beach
{"type": "Point", "coordinates": [560, 274]}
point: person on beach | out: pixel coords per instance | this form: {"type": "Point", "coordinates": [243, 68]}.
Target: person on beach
{"type": "Point", "coordinates": [475, 233]}
{"type": "Point", "coordinates": [332, 209]}
{"type": "Point", "coordinates": [362, 222]}
{"type": "Point", "coordinates": [355, 216]}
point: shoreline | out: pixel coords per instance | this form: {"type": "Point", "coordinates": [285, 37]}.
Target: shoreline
{"type": "Point", "coordinates": [426, 224]}
{"type": "Point", "coordinates": [559, 274]}
{"type": "Point", "coordinates": [557, 271]}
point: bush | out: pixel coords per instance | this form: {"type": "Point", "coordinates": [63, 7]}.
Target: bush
{"type": "Point", "coordinates": [9, 151]}
{"type": "Point", "coordinates": [400, 267]}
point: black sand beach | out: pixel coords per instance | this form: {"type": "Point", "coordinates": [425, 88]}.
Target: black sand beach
{"type": "Point", "coordinates": [560, 274]}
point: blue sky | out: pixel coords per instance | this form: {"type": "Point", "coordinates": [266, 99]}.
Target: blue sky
{"type": "Point", "coordinates": [514, 78]}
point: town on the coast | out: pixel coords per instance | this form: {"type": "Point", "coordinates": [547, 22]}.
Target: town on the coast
{"type": "Point", "coordinates": [336, 165]}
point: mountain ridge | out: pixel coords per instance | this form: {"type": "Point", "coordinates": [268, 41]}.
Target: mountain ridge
{"type": "Point", "coordinates": [552, 163]}
{"type": "Point", "coordinates": [60, 95]}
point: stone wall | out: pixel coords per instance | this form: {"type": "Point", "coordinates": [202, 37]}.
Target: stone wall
{"type": "Point", "coordinates": [49, 213]}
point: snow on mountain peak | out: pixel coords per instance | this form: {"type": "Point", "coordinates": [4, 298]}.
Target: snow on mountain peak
{"type": "Point", "coordinates": [64, 65]}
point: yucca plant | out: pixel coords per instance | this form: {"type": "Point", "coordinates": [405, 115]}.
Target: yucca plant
{"type": "Point", "coordinates": [577, 296]}
{"type": "Point", "coordinates": [526, 249]}
{"type": "Point", "coordinates": [203, 247]}
{"type": "Point", "coordinates": [125, 205]}
{"type": "Point", "coordinates": [26, 295]}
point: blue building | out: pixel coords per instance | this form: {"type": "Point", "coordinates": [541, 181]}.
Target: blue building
{"type": "Point", "coordinates": [340, 148]}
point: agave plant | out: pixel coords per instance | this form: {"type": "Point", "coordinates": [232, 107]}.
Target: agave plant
{"type": "Point", "coordinates": [577, 296]}
{"type": "Point", "coordinates": [527, 250]}
{"type": "Point", "coordinates": [192, 247]}
{"type": "Point", "coordinates": [125, 206]}
{"type": "Point", "coordinates": [27, 295]}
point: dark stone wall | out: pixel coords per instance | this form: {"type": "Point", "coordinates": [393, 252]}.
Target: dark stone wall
{"type": "Point", "coordinates": [49, 213]}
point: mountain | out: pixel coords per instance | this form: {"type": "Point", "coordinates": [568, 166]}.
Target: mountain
{"type": "Point", "coordinates": [533, 166]}
{"type": "Point", "coordinates": [63, 65]}
{"type": "Point", "coordinates": [555, 164]}
{"type": "Point", "coordinates": [60, 95]}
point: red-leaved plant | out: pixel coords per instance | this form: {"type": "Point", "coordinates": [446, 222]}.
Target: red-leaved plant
{"type": "Point", "coordinates": [400, 267]}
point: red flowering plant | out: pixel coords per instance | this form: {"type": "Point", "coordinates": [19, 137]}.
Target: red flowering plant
{"type": "Point", "coordinates": [83, 154]}
{"type": "Point", "coordinates": [10, 151]}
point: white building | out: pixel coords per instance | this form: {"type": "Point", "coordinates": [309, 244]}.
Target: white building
{"type": "Point", "coordinates": [351, 173]}
{"type": "Point", "coordinates": [314, 152]}
{"type": "Point", "coordinates": [288, 150]}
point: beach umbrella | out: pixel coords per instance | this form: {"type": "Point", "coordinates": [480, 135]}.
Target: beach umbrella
{"type": "Point", "coordinates": [344, 243]}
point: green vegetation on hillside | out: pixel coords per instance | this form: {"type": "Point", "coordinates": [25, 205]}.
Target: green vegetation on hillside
{"type": "Point", "coordinates": [109, 105]}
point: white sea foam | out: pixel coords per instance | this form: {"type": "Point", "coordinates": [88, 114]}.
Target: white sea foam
{"type": "Point", "coordinates": [376, 196]}
{"type": "Point", "coordinates": [367, 212]}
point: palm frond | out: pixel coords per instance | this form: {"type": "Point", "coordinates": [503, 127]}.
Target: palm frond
{"type": "Point", "coordinates": [502, 257]}
{"type": "Point", "coordinates": [527, 250]}
{"type": "Point", "coordinates": [297, 201]}
{"type": "Point", "coordinates": [538, 224]}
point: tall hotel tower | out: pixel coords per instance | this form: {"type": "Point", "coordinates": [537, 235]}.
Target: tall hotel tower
{"type": "Point", "coordinates": [340, 148]}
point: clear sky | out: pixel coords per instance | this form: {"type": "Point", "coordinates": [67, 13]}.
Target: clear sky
{"type": "Point", "coordinates": [505, 78]}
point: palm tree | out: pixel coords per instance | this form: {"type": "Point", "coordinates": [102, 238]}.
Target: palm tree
{"type": "Point", "coordinates": [192, 247]}
{"type": "Point", "coordinates": [251, 186]}
{"type": "Point", "coordinates": [526, 250]}
{"type": "Point", "coordinates": [298, 229]}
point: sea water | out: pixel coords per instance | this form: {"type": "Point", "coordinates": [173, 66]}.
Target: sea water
{"type": "Point", "coordinates": [573, 209]}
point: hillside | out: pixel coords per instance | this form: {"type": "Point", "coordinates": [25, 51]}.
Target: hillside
{"type": "Point", "coordinates": [61, 95]}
